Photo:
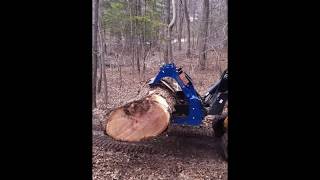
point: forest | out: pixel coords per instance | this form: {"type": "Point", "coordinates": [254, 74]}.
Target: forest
{"type": "Point", "coordinates": [131, 40]}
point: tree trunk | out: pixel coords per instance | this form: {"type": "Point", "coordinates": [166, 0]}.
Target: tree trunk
{"type": "Point", "coordinates": [203, 34]}
{"type": "Point", "coordinates": [170, 26]}
{"type": "Point", "coordinates": [103, 66]}
{"type": "Point", "coordinates": [144, 42]}
{"type": "Point", "coordinates": [104, 76]}
{"type": "Point", "coordinates": [131, 34]}
{"type": "Point", "coordinates": [186, 13]}
{"type": "Point", "coordinates": [166, 49]}
{"type": "Point", "coordinates": [100, 79]}
{"type": "Point", "coordinates": [145, 117]}
{"type": "Point", "coordinates": [138, 34]}
{"type": "Point", "coordinates": [94, 79]}
{"type": "Point", "coordinates": [95, 51]}
{"type": "Point", "coordinates": [181, 17]}
{"type": "Point", "coordinates": [103, 54]}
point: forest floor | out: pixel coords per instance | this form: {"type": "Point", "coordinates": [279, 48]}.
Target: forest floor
{"type": "Point", "coordinates": [168, 157]}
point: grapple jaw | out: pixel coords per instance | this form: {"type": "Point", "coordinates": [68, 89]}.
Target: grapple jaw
{"type": "Point", "coordinates": [188, 108]}
{"type": "Point", "coordinates": [191, 108]}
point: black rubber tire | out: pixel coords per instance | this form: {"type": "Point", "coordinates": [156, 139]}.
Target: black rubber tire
{"type": "Point", "coordinates": [224, 145]}
{"type": "Point", "coordinates": [218, 126]}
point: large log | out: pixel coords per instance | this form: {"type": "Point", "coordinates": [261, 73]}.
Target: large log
{"type": "Point", "coordinates": [145, 117]}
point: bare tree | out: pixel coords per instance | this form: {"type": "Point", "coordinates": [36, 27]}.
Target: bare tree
{"type": "Point", "coordinates": [170, 26]}
{"type": "Point", "coordinates": [131, 34]}
{"type": "Point", "coordinates": [186, 14]}
{"type": "Point", "coordinates": [167, 18]}
{"type": "Point", "coordinates": [181, 18]}
{"type": "Point", "coordinates": [203, 34]}
{"type": "Point", "coordinates": [138, 39]}
{"type": "Point", "coordinates": [102, 50]}
{"type": "Point", "coordinates": [95, 50]}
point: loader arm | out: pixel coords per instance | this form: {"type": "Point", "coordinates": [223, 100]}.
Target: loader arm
{"type": "Point", "coordinates": [217, 96]}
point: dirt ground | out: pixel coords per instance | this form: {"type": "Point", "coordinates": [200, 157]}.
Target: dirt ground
{"type": "Point", "coordinates": [182, 155]}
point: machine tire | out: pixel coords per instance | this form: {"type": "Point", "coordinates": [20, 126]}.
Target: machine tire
{"type": "Point", "coordinates": [217, 126]}
{"type": "Point", "coordinates": [224, 145]}
{"type": "Point", "coordinates": [221, 133]}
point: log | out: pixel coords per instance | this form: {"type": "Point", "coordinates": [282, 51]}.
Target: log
{"type": "Point", "coordinates": [145, 117]}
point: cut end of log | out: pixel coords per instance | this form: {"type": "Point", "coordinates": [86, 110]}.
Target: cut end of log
{"type": "Point", "coordinates": [140, 119]}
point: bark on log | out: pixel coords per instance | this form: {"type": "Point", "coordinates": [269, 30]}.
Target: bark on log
{"type": "Point", "coordinates": [146, 116]}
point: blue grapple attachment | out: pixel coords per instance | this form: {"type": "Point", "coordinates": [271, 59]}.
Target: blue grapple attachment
{"type": "Point", "coordinates": [190, 107]}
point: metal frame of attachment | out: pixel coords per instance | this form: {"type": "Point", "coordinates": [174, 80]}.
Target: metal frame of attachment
{"type": "Point", "coordinates": [196, 112]}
